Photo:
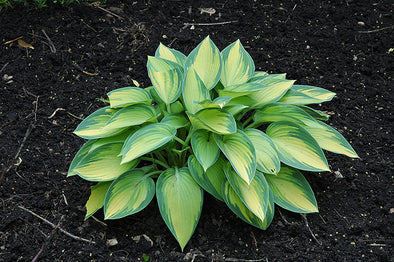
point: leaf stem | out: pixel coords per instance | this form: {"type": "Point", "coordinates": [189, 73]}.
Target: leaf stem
{"type": "Point", "coordinates": [247, 121]}
{"type": "Point", "coordinates": [155, 172]}
{"type": "Point", "coordinates": [155, 161]}
{"type": "Point", "coordinates": [168, 108]}
{"type": "Point", "coordinates": [180, 141]}
{"type": "Point", "coordinates": [253, 125]}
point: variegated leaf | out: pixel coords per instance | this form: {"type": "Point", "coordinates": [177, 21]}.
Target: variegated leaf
{"type": "Point", "coordinates": [304, 94]}
{"type": "Point", "coordinates": [214, 120]}
{"type": "Point", "coordinates": [166, 77]}
{"type": "Point", "coordinates": [274, 87]}
{"type": "Point", "coordinates": [131, 116]}
{"type": "Point", "coordinates": [176, 120]}
{"type": "Point", "coordinates": [96, 199]}
{"type": "Point", "coordinates": [146, 140]}
{"type": "Point", "coordinates": [211, 180]}
{"type": "Point", "coordinates": [218, 102]}
{"type": "Point", "coordinates": [255, 195]}
{"type": "Point", "coordinates": [82, 152]}
{"type": "Point", "coordinates": [207, 62]}
{"type": "Point", "coordinates": [204, 148]}
{"type": "Point", "coordinates": [170, 54]}
{"type": "Point", "coordinates": [296, 147]}
{"type": "Point", "coordinates": [194, 91]}
{"type": "Point", "coordinates": [239, 150]}
{"type": "Point", "coordinates": [103, 164]}
{"type": "Point", "coordinates": [316, 114]}
{"type": "Point", "coordinates": [235, 109]}
{"type": "Point", "coordinates": [128, 194]}
{"type": "Point", "coordinates": [330, 139]}
{"type": "Point", "coordinates": [238, 207]}
{"type": "Point", "coordinates": [275, 112]}
{"type": "Point", "coordinates": [127, 96]}
{"type": "Point", "coordinates": [180, 201]}
{"type": "Point", "coordinates": [240, 90]}
{"type": "Point", "coordinates": [292, 191]}
{"type": "Point", "coordinates": [238, 65]}
{"type": "Point", "coordinates": [266, 156]}
{"type": "Point", "coordinates": [92, 126]}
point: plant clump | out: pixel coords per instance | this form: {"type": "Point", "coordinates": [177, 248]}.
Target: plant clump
{"type": "Point", "coordinates": [210, 123]}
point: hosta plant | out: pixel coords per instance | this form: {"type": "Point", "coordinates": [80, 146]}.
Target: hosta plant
{"type": "Point", "coordinates": [210, 123]}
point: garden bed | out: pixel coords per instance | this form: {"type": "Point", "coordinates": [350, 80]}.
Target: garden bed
{"type": "Point", "coordinates": [82, 52]}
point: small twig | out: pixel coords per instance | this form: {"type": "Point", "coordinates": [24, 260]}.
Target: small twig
{"type": "Point", "coordinates": [50, 43]}
{"type": "Point", "coordinates": [208, 24]}
{"type": "Point", "coordinates": [98, 221]}
{"type": "Point", "coordinates": [310, 230]}
{"type": "Point", "coordinates": [83, 71]}
{"type": "Point", "coordinates": [47, 240]}
{"type": "Point", "coordinates": [54, 113]}
{"type": "Point", "coordinates": [231, 259]}
{"type": "Point", "coordinates": [254, 239]}
{"type": "Point", "coordinates": [77, 117]}
{"type": "Point", "coordinates": [109, 12]}
{"type": "Point", "coordinates": [6, 170]}
{"type": "Point", "coordinates": [36, 108]}
{"type": "Point", "coordinates": [54, 226]}
{"type": "Point", "coordinates": [284, 219]}
{"type": "Point", "coordinates": [376, 30]}
{"type": "Point", "coordinates": [377, 245]}
{"type": "Point", "coordinates": [4, 66]}
{"type": "Point", "coordinates": [13, 40]}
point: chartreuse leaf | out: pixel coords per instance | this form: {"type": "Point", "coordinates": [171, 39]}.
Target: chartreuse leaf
{"type": "Point", "coordinates": [207, 63]}
{"type": "Point", "coordinates": [91, 145]}
{"type": "Point", "coordinates": [266, 156]}
{"type": "Point", "coordinates": [296, 147]}
{"type": "Point", "coordinates": [304, 95]}
{"type": "Point", "coordinates": [128, 194]}
{"type": "Point", "coordinates": [177, 107]}
{"type": "Point", "coordinates": [96, 199]}
{"type": "Point", "coordinates": [275, 112]}
{"type": "Point", "coordinates": [238, 65]}
{"type": "Point", "coordinates": [240, 90]}
{"type": "Point", "coordinates": [176, 120]}
{"type": "Point", "coordinates": [255, 195]}
{"type": "Point", "coordinates": [316, 114]}
{"type": "Point", "coordinates": [330, 139]}
{"type": "Point", "coordinates": [82, 152]}
{"type": "Point", "coordinates": [273, 90]}
{"type": "Point", "coordinates": [131, 116]}
{"type": "Point", "coordinates": [215, 120]}
{"type": "Point", "coordinates": [204, 148]}
{"type": "Point", "coordinates": [127, 96]}
{"type": "Point", "coordinates": [218, 102]}
{"type": "Point", "coordinates": [292, 191]}
{"type": "Point", "coordinates": [92, 126]}
{"type": "Point", "coordinates": [166, 77]}
{"type": "Point", "coordinates": [257, 75]}
{"type": "Point", "coordinates": [180, 201]}
{"type": "Point", "coordinates": [170, 54]}
{"type": "Point", "coordinates": [235, 109]}
{"type": "Point", "coordinates": [194, 91]}
{"type": "Point", "coordinates": [146, 140]}
{"type": "Point", "coordinates": [239, 150]}
{"type": "Point", "coordinates": [103, 164]}
{"type": "Point", "coordinates": [211, 180]}
{"type": "Point", "coordinates": [238, 207]}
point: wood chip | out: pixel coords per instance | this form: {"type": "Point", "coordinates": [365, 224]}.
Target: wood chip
{"type": "Point", "coordinates": [23, 44]}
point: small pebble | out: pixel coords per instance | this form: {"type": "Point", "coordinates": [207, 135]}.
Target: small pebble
{"type": "Point", "coordinates": [112, 242]}
{"type": "Point", "coordinates": [360, 23]}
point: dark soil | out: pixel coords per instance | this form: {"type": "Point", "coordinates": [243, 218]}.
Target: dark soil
{"type": "Point", "coordinates": [342, 46]}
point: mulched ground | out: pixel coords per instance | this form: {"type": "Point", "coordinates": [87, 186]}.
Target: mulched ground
{"type": "Point", "coordinates": [82, 52]}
